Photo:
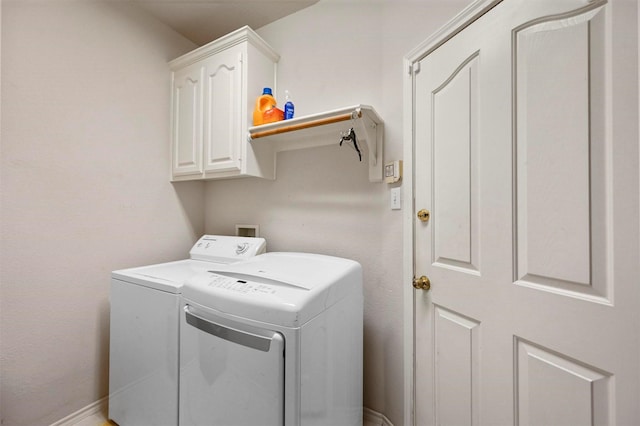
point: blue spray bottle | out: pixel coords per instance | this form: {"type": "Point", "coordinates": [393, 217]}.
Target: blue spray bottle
{"type": "Point", "coordinates": [288, 106]}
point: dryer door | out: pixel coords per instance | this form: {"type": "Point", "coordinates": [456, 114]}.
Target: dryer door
{"type": "Point", "coordinates": [230, 373]}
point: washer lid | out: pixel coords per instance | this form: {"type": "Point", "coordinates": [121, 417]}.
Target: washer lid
{"type": "Point", "coordinates": [208, 252]}
{"type": "Point", "coordinates": [169, 276]}
{"type": "Point", "coordinates": [286, 289]}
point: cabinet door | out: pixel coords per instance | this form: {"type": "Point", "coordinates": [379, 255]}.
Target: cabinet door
{"type": "Point", "coordinates": [223, 111]}
{"type": "Point", "coordinates": [186, 155]}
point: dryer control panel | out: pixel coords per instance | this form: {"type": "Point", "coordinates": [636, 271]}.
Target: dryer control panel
{"type": "Point", "coordinates": [227, 249]}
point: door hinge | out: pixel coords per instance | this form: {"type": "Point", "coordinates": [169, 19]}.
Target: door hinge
{"type": "Point", "coordinates": [414, 68]}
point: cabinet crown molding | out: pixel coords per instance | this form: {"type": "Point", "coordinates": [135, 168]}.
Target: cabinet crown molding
{"type": "Point", "coordinates": [239, 36]}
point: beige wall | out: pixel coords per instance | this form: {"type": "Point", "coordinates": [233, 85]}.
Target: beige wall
{"type": "Point", "coordinates": [84, 180]}
{"type": "Point", "coordinates": [84, 190]}
{"type": "Point", "coordinates": [337, 54]}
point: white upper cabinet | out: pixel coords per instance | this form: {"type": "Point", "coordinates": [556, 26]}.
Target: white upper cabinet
{"type": "Point", "coordinates": [213, 92]}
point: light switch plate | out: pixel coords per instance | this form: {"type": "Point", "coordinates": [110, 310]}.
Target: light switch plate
{"type": "Point", "coordinates": [396, 202]}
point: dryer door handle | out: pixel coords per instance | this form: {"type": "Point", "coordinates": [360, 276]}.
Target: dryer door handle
{"type": "Point", "coordinates": [257, 339]}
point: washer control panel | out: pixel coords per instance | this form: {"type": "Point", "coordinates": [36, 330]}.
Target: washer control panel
{"type": "Point", "coordinates": [242, 248]}
{"type": "Point", "coordinates": [239, 286]}
{"type": "Point", "coordinates": [227, 249]}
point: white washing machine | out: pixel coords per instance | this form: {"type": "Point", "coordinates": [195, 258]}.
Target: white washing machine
{"type": "Point", "coordinates": [274, 340]}
{"type": "Point", "coordinates": [145, 306]}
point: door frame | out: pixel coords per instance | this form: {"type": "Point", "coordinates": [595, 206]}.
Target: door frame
{"type": "Point", "coordinates": [462, 20]}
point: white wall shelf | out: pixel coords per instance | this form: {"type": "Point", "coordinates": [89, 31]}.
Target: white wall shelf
{"type": "Point", "coordinates": [325, 129]}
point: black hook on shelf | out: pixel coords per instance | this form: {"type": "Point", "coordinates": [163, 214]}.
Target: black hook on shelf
{"type": "Point", "coordinates": [350, 136]}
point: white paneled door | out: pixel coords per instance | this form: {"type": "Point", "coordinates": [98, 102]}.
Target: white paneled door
{"type": "Point", "coordinates": [526, 155]}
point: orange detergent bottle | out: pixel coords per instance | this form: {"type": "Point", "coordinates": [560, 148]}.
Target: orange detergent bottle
{"type": "Point", "coordinates": [265, 110]}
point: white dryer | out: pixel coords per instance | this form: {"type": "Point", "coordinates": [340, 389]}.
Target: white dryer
{"type": "Point", "coordinates": [274, 340]}
{"type": "Point", "coordinates": [143, 353]}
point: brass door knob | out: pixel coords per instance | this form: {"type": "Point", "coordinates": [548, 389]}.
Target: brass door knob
{"type": "Point", "coordinates": [422, 283]}
{"type": "Point", "coordinates": [424, 215]}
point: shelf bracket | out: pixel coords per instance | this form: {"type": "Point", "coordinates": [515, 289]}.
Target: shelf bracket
{"type": "Point", "coordinates": [372, 134]}
{"type": "Point", "coordinates": [368, 133]}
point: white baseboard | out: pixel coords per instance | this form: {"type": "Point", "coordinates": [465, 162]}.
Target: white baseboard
{"type": "Point", "coordinates": [98, 407]}
{"type": "Point", "coordinates": [373, 418]}
{"type": "Point", "coordinates": [369, 416]}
